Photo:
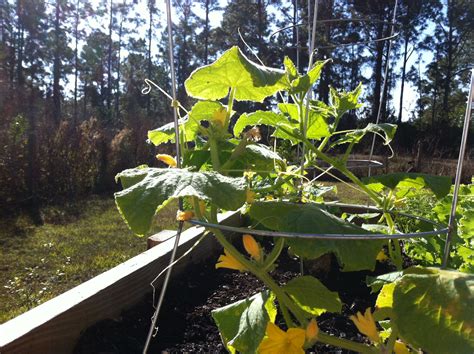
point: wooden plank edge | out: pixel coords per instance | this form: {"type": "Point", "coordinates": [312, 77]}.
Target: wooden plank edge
{"type": "Point", "coordinates": [54, 326]}
{"type": "Point", "coordinates": [160, 237]}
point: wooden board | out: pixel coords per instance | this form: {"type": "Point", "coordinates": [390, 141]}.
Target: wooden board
{"type": "Point", "coordinates": [55, 326]}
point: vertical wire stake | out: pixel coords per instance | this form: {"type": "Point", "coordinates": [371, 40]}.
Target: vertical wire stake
{"type": "Point", "coordinates": [153, 329]}
{"type": "Point", "coordinates": [385, 79]}
{"type": "Point", "coordinates": [312, 43]}
{"type": "Point", "coordinates": [457, 181]}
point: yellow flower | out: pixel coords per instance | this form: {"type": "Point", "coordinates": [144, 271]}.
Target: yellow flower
{"type": "Point", "coordinates": [249, 174]}
{"type": "Point", "coordinates": [400, 348]}
{"type": "Point", "coordinates": [252, 247]}
{"type": "Point", "coordinates": [167, 159]}
{"type": "Point", "coordinates": [281, 342]}
{"type": "Point", "coordinates": [381, 256]}
{"type": "Point", "coordinates": [184, 215]}
{"type": "Point", "coordinates": [312, 330]}
{"type": "Point", "coordinates": [250, 196]}
{"type": "Point", "coordinates": [219, 116]}
{"type": "Point", "coordinates": [366, 325]}
{"type": "Point", "coordinates": [227, 261]}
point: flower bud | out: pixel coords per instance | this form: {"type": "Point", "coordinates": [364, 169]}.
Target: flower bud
{"type": "Point", "coordinates": [312, 330]}
{"type": "Point", "coordinates": [252, 247]}
{"type": "Point", "coordinates": [167, 159]}
{"type": "Point", "coordinates": [184, 215]}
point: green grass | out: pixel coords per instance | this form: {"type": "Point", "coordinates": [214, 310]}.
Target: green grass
{"type": "Point", "coordinates": [345, 193]}
{"type": "Point", "coordinates": [77, 242]}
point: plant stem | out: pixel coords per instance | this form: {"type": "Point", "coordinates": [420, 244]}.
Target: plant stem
{"type": "Point", "coordinates": [230, 104]}
{"type": "Point", "coordinates": [239, 150]}
{"type": "Point", "coordinates": [274, 254]}
{"type": "Point", "coordinates": [345, 344]}
{"type": "Point", "coordinates": [277, 185]}
{"type": "Point", "coordinates": [216, 164]}
{"type": "Point", "coordinates": [392, 339]}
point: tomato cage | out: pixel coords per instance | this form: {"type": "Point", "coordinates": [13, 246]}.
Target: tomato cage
{"type": "Point", "coordinates": [438, 229]}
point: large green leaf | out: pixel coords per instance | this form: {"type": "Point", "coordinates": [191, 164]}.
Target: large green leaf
{"type": "Point", "coordinates": [312, 296]}
{"type": "Point", "coordinates": [439, 185]}
{"type": "Point", "coordinates": [252, 82]}
{"type": "Point", "coordinates": [310, 218]}
{"type": "Point", "coordinates": [148, 189]}
{"type": "Point", "coordinates": [242, 324]}
{"type": "Point", "coordinates": [435, 311]}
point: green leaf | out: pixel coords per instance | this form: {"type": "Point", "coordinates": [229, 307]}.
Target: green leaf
{"type": "Point", "coordinates": [188, 126]}
{"type": "Point", "coordinates": [304, 83]}
{"type": "Point", "coordinates": [376, 283]}
{"type": "Point", "coordinates": [204, 110]}
{"type": "Point", "coordinates": [149, 189]}
{"type": "Point", "coordinates": [270, 119]}
{"type": "Point", "coordinates": [259, 157]}
{"type": "Point", "coordinates": [242, 324]}
{"type": "Point", "coordinates": [290, 69]}
{"type": "Point", "coordinates": [345, 101]}
{"type": "Point", "coordinates": [439, 185]}
{"type": "Point", "coordinates": [310, 218]}
{"type": "Point", "coordinates": [312, 296]}
{"type": "Point", "coordinates": [163, 134]}
{"type": "Point", "coordinates": [435, 311]}
{"type": "Point", "coordinates": [252, 82]}
{"type": "Point", "coordinates": [384, 302]}
{"type": "Point", "coordinates": [317, 125]}
{"type": "Point", "coordinates": [466, 224]}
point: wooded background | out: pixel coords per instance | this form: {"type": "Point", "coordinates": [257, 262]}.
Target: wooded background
{"type": "Point", "coordinates": [72, 112]}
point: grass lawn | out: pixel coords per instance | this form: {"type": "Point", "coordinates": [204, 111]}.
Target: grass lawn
{"type": "Point", "coordinates": [77, 242]}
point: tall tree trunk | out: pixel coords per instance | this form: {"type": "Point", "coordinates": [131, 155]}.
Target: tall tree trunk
{"type": "Point", "coordinates": [57, 66]}
{"type": "Point", "coordinates": [150, 37]}
{"type": "Point", "coordinates": [402, 87]}
{"type": "Point", "coordinates": [449, 63]}
{"type": "Point", "coordinates": [76, 59]}
{"type": "Point", "coordinates": [109, 63]}
{"type": "Point", "coordinates": [378, 72]}
{"type": "Point", "coordinates": [20, 46]}
{"type": "Point", "coordinates": [295, 39]}
{"type": "Point", "coordinates": [327, 10]}
{"type": "Point", "coordinates": [117, 85]}
{"type": "Point", "coordinates": [260, 6]}
{"type": "Point", "coordinates": [206, 34]}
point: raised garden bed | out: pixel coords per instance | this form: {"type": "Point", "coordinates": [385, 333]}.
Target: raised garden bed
{"type": "Point", "coordinates": [55, 326]}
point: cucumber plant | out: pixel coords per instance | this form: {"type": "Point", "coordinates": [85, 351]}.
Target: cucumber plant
{"type": "Point", "coordinates": [225, 167]}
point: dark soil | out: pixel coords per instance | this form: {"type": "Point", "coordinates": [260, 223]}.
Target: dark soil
{"type": "Point", "coordinates": [185, 322]}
